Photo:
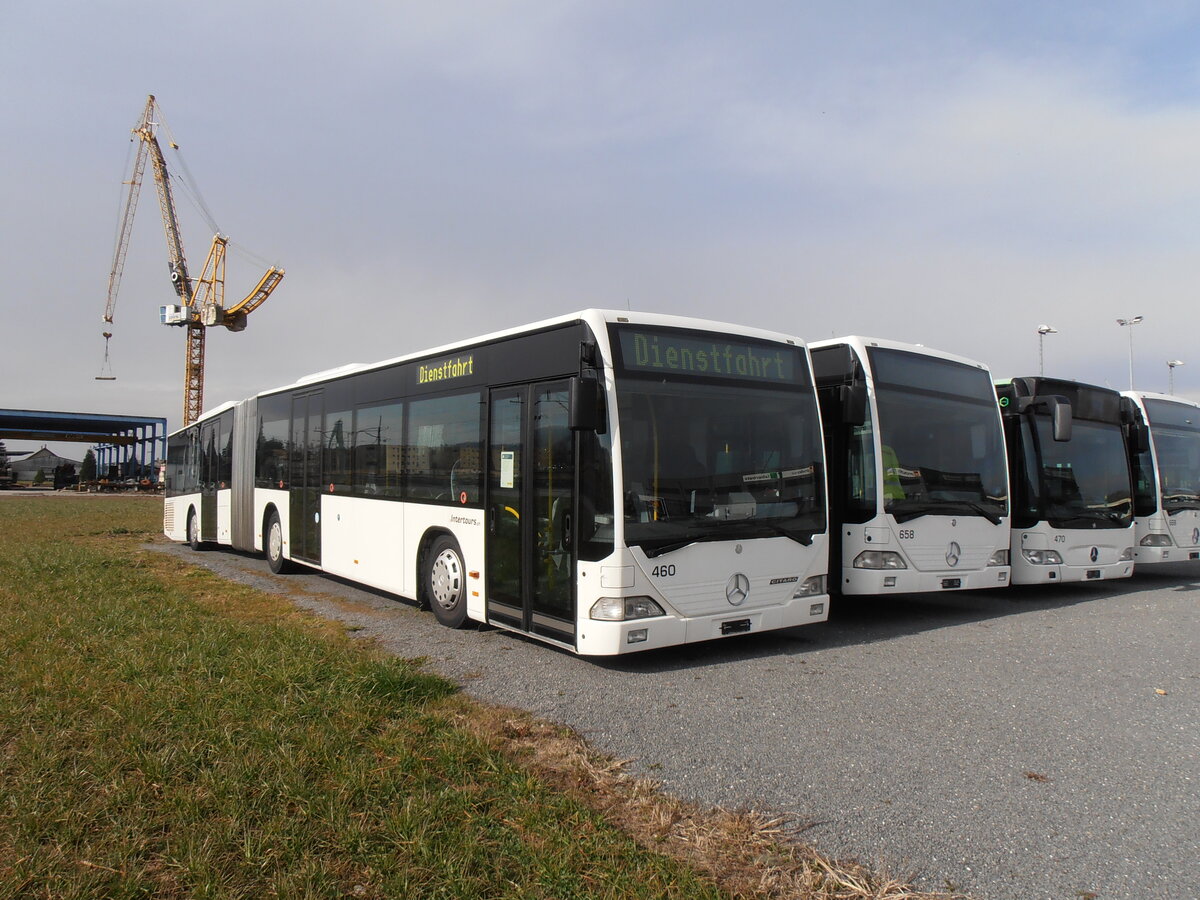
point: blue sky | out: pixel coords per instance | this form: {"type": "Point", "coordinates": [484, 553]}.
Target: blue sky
{"type": "Point", "coordinates": [953, 174]}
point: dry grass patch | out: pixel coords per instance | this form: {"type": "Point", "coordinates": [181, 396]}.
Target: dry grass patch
{"type": "Point", "coordinates": [748, 854]}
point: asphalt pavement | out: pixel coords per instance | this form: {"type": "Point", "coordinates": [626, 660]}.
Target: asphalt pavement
{"type": "Point", "coordinates": [1022, 743]}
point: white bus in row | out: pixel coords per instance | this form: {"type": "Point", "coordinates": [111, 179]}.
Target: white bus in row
{"type": "Point", "coordinates": [1071, 448]}
{"type": "Point", "coordinates": [917, 474]}
{"type": "Point", "coordinates": [1167, 480]}
{"type": "Point", "coordinates": [612, 481]}
{"type": "Point", "coordinates": [605, 481]}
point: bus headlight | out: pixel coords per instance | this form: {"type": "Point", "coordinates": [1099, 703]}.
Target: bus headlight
{"type": "Point", "coordinates": [879, 559]}
{"type": "Point", "coordinates": [811, 587]}
{"type": "Point", "coordinates": [999, 558]}
{"type": "Point", "coordinates": [1042, 557]}
{"type": "Point", "coordinates": [1155, 540]}
{"type": "Point", "coordinates": [622, 609]}
{"type": "Point", "coordinates": [1126, 554]}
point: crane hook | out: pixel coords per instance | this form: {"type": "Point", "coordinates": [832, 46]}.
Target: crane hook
{"type": "Point", "coordinates": [106, 373]}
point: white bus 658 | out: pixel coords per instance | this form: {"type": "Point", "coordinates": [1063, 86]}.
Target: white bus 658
{"type": "Point", "coordinates": [918, 485]}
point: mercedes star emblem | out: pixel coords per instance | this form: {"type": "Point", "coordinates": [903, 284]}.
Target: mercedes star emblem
{"type": "Point", "coordinates": [738, 589]}
{"type": "Point", "coordinates": [953, 554]}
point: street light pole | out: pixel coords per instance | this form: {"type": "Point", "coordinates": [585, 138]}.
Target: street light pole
{"type": "Point", "coordinates": [1129, 323]}
{"type": "Point", "coordinates": [1171, 364]}
{"type": "Point", "coordinates": [1044, 330]}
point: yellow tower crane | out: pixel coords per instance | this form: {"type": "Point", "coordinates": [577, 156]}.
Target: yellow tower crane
{"type": "Point", "coordinates": [202, 300]}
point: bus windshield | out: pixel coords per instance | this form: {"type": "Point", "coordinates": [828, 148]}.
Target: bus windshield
{"type": "Point", "coordinates": [1176, 432]}
{"type": "Point", "coordinates": [940, 438]}
{"type": "Point", "coordinates": [1085, 481]}
{"type": "Point", "coordinates": [705, 461]}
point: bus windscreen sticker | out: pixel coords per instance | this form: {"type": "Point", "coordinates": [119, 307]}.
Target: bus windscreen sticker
{"type": "Point", "coordinates": [506, 468]}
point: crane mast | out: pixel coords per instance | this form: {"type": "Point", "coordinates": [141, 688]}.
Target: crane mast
{"type": "Point", "coordinates": [202, 301]}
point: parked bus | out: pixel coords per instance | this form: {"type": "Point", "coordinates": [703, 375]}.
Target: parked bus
{"type": "Point", "coordinates": [605, 481]}
{"type": "Point", "coordinates": [918, 486]}
{"type": "Point", "coordinates": [1069, 452]}
{"type": "Point", "coordinates": [1166, 497]}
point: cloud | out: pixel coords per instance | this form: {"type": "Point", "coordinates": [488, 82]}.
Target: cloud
{"type": "Point", "coordinates": [944, 172]}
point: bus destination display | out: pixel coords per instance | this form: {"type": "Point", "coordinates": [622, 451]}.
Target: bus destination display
{"type": "Point", "coordinates": [667, 352]}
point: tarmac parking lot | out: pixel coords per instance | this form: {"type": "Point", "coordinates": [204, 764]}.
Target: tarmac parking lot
{"type": "Point", "coordinates": [1018, 743]}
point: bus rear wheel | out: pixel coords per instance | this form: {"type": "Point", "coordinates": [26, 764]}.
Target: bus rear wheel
{"type": "Point", "coordinates": [444, 582]}
{"type": "Point", "coordinates": [273, 544]}
{"type": "Point", "coordinates": [193, 531]}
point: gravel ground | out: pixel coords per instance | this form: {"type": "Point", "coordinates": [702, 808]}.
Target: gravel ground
{"type": "Point", "coordinates": [1028, 743]}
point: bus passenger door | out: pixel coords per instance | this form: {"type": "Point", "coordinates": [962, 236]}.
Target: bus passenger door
{"type": "Point", "coordinates": [210, 449]}
{"type": "Point", "coordinates": [308, 414]}
{"type": "Point", "coordinates": [531, 489]}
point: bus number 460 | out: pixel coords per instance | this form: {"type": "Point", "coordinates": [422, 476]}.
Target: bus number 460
{"type": "Point", "coordinates": [663, 572]}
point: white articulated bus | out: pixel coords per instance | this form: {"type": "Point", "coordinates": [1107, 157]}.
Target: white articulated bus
{"type": "Point", "coordinates": [918, 485]}
{"type": "Point", "coordinates": [1166, 495]}
{"type": "Point", "coordinates": [604, 481]}
{"type": "Point", "coordinates": [1069, 451]}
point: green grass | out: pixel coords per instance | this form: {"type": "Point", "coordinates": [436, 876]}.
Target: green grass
{"type": "Point", "coordinates": [164, 733]}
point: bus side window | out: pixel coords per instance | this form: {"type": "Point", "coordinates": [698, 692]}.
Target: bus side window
{"type": "Point", "coordinates": [444, 452]}
{"type": "Point", "coordinates": [337, 444]}
{"type": "Point", "coordinates": [378, 449]}
{"type": "Point", "coordinates": [595, 496]}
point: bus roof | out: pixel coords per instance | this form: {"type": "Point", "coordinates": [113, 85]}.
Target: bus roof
{"type": "Point", "coordinates": [1088, 401]}
{"type": "Point", "coordinates": [1139, 396]}
{"type": "Point", "coordinates": [596, 318]}
{"type": "Point", "coordinates": [861, 343]}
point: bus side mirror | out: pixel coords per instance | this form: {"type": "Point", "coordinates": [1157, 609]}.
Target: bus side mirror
{"type": "Point", "coordinates": [583, 412]}
{"type": "Point", "coordinates": [1137, 428]}
{"type": "Point", "coordinates": [853, 399]}
{"type": "Point", "coordinates": [1140, 432]}
{"type": "Point", "coordinates": [1060, 414]}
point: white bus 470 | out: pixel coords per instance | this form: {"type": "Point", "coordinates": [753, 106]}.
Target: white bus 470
{"type": "Point", "coordinates": [1069, 449]}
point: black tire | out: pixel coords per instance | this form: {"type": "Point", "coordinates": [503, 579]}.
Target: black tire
{"type": "Point", "coordinates": [273, 545]}
{"type": "Point", "coordinates": [444, 582]}
{"type": "Point", "coordinates": [193, 531]}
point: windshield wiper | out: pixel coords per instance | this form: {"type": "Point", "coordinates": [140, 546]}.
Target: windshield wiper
{"type": "Point", "coordinates": [914, 509]}
{"type": "Point", "coordinates": [670, 546]}
{"type": "Point", "coordinates": [730, 530]}
{"type": "Point", "coordinates": [980, 510]}
{"type": "Point", "coordinates": [800, 537]}
{"type": "Point", "coordinates": [1089, 517]}
{"type": "Point", "coordinates": [1174, 505]}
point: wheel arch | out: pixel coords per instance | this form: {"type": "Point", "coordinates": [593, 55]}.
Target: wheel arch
{"type": "Point", "coordinates": [268, 510]}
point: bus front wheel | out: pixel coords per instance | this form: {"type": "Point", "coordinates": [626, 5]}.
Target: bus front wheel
{"type": "Point", "coordinates": [445, 582]}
